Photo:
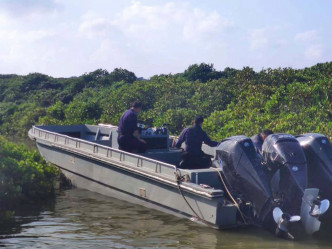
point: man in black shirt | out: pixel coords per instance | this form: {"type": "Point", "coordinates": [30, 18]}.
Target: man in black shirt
{"type": "Point", "coordinates": [193, 156]}
{"type": "Point", "coordinates": [129, 137]}
{"type": "Point", "coordinates": [259, 139]}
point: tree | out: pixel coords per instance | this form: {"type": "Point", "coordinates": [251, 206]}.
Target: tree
{"type": "Point", "coordinates": [35, 81]}
{"type": "Point", "coordinates": [120, 74]}
{"type": "Point", "coordinates": [97, 78]}
{"type": "Point", "coordinates": [202, 72]}
{"type": "Point", "coordinates": [85, 108]}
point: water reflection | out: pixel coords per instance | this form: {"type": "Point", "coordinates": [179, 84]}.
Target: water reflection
{"type": "Point", "coordinates": [82, 219]}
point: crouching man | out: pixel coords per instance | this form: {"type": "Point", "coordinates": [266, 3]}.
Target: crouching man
{"type": "Point", "coordinates": [193, 157]}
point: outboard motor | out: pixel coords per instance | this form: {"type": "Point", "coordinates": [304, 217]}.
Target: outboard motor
{"type": "Point", "coordinates": [318, 151]}
{"type": "Point", "coordinates": [243, 172]}
{"type": "Point", "coordinates": [286, 162]}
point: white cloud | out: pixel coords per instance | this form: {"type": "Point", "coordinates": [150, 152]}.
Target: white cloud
{"type": "Point", "coordinates": [65, 38]}
{"type": "Point", "coordinates": [311, 40]}
{"type": "Point", "coordinates": [258, 39]}
{"type": "Point", "coordinates": [308, 36]}
{"type": "Point", "coordinates": [143, 33]}
{"type": "Point", "coordinates": [24, 8]}
{"type": "Point", "coordinates": [158, 23]}
{"type": "Point", "coordinates": [280, 42]}
{"type": "Point", "coordinates": [4, 22]}
{"type": "Point", "coordinates": [95, 27]}
{"type": "Point", "coordinates": [314, 52]}
{"type": "Point", "coordinates": [30, 45]}
{"type": "Point", "coordinates": [25, 50]}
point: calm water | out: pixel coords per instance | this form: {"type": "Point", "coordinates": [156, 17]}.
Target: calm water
{"type": "Point", "coordinates": [82, 219]}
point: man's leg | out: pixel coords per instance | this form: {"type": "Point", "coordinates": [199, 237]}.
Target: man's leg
{"type": "Point", "coordinates": [184, 161]}
{"type": "Point", "coordinates": [125, 143]}
{"type": "Point", "coordinates": [137, 145]}
{"type": "Point", "coordinates": [190, 161]}
{"type": "Point", "coordinates": [205, 161]}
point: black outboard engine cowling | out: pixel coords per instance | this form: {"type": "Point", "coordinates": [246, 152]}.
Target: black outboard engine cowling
{"type": "Point", "coordinates": [283, 155]}
{"type": "Point", "coordinates": [318, 151]}
{"type": "Point", "coordinates": [243, 171]}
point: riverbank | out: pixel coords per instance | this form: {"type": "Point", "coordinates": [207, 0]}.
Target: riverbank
{"type": "Point", "coordinates": [24, 178]}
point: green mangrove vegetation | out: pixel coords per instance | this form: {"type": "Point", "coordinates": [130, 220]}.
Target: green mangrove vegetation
{"type": "Point", "coordinates": [24, 177]}
{"type": "Point", "coordinates": [232, 101]}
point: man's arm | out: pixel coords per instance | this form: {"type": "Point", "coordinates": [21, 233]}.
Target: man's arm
{"type": "Point", "coordinates": [257, 141]}
{"type": "Point", "coordinates": [136, 130]}
{"type": "Point", "coordinates": [208, 141]}
{"type": "Point", "coordinates": [181, 139]}
{"type": "Point", "coordinates": [136, 134]}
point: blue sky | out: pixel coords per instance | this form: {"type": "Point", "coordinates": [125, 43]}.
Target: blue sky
{"type": "Point", "coordinates": [65, 38]}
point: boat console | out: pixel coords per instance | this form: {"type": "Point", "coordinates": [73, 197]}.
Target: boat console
{"type": "Point", "coordinates": [156, 138]}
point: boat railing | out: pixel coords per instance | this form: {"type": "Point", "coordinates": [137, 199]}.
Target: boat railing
{"type": "Point", "coordinates": [96, 150]}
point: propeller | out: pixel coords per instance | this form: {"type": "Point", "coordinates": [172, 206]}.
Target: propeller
{"type": "Point", "coordinates": [324, 206]}
{"type": "Point", "coordinates": [277, 214]}
{"type": "Point", "coordinates": [283, 219]}
{"type": "Point", "coordinates": [295, 218]}
{"type": "Point", "coordinates": [319, 207]}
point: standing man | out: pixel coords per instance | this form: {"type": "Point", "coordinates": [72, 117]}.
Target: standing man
{"type": "Point", "coordinates": [259, 139]}
{"type": "Point", "coordinates": [193, 157]}
{"type": "Point", "coordinates": [129, 137]}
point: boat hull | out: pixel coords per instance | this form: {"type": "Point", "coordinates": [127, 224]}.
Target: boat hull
{"type": "Point", "coordinates": [113, 179]}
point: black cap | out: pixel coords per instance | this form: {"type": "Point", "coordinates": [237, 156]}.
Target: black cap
{"type": "Point", "coordinates": [199, 119]}
{"type": "Point", "coordinates": [267, 132]}
{"type": "Point", "coordinates": [136, 104]}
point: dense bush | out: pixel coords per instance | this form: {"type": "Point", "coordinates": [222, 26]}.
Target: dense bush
{"type": "Point", "coordinates": [232, 101]}
{"type": "Point", "coordinates": [295, 108]}
{"type": "Point", "coordinates": [24, 177]}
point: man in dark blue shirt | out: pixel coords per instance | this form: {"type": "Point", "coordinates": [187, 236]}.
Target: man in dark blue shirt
{"type": "Point", "coordinates": [193, 156]}
{"type": "Point", "coordinates": [129, 137]}
{"type": "Point", "coordinates": [258, 139]}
